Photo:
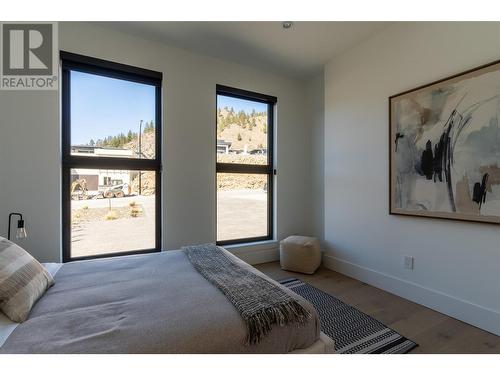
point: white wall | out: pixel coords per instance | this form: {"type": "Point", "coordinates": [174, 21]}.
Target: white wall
{"type": "Point", "coordinates": [457, 264]}
{"type": "Point", "coordinates": [30, 168]}
{"type": "Point", "coordinates": [30, 142]}
{"type": "Point", "coordinates": [315, 98]}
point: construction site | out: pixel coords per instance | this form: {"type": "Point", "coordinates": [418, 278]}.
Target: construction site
{"type": "Point", "coordinates": [114, 210]}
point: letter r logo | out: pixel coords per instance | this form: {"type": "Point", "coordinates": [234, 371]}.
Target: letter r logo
{"type": "Point", "coordinates": [27, 49]}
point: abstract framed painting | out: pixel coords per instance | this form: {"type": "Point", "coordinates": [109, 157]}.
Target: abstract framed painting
{"type": "Point", "coordinates": [445, 148]}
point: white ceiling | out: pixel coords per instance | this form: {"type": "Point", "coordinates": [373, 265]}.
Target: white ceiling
{"type": "Point", "coordinates": [300, 51]}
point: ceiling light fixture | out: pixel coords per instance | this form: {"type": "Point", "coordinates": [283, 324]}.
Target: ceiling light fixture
{"type": "Point", "coordinates": [287, 24]}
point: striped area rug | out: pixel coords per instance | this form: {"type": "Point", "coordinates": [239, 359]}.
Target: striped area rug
{"type": "Point", "coordinates": [352, 331]}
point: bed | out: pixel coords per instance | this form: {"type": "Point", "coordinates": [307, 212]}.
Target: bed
{"type": "Point", "coordinates": [153, 303]}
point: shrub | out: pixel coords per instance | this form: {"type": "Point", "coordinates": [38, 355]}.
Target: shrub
{"type": "Point", "coordinates": [135, 211]}
{"type": "Point", "coordinates": [132, 204]}
{"type": "Point", "coordinates": [111, 215]}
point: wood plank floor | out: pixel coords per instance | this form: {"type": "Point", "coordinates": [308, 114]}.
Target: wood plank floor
{"type": "Point", "coordinates": [434, 332]}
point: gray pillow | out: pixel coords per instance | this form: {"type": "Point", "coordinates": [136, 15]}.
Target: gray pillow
{"type": "Point", "coordinates": [23, 280]}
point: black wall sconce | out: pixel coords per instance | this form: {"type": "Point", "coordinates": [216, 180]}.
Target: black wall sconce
{"type": "Point", "coordinates": [21, 230]}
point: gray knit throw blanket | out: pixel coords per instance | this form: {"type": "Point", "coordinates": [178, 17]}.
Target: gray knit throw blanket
{"type": "Point", "coordinates": [260, 303]}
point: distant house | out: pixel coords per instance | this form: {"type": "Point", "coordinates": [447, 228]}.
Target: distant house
{"type": "Point", "coordinates": [223, 146]}
{"type": "Point", "coordinates": [101, 151]}
{"type": "Point", "coordinates": [98, 179]}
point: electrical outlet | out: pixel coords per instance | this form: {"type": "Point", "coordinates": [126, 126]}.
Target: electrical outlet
{"type": "Point", "coordinates": [409, 262]}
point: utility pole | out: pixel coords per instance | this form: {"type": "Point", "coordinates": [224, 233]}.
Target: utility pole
{"type": "Point", "coordinates": [140, 156]}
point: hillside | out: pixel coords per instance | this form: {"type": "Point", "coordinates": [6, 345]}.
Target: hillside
{"type": "Point", "coordinates": [242, 129]}
{"type": "Point", "coordinates": [147, 145]}
{"type": "Point", "coordinates": [147, 152]}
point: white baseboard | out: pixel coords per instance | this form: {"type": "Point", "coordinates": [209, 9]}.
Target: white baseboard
{"type": "Point", "coordinates": [460, 309]}
{"type": "Point", "coordinates": [257, 253]}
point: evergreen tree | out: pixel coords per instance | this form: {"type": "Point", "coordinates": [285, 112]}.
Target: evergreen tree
{"type": "Point", "coordinates": [149, 127]}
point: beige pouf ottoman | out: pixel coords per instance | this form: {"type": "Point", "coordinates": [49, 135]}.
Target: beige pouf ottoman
{"type": "Point", "coordinates": [300, 254]}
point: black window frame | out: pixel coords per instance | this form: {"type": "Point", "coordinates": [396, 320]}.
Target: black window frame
{"type": "Point", "coordinates": [74, 62]}
{"type": "Point", "coordinates": [268, 169]}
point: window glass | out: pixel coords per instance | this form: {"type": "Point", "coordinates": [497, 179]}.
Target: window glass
{"type": "Point", "coordinates": [111, 117]}
{"type": "Point", "coordinates": [112, 210]}
{"type": "Point", "coordinates": [241, 131]}
{"type": "Point", "coordinates": [242, 206]}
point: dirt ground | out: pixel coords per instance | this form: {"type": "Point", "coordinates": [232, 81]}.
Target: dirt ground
{"type": "Point", "coordinates": [92, 234]}
{"type": "Point", "coordinates": [240, 213]}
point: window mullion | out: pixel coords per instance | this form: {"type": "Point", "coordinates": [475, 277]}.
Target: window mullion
{"type": "Point", "coordinates": [112, 163]}
{"type": "Point", "coordinates": [243, 168]}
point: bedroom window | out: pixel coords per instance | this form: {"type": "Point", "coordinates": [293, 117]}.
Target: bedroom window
{"type": "Point", "coordinates": [111, 132]}
{"type": "Point", "coordinates": [244, 167]}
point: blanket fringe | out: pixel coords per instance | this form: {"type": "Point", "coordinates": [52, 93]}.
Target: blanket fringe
{"type": "Point", "coordinates": [260, 323]}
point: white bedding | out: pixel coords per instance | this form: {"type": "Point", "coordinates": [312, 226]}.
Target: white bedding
{"type": "Point", "coordinates": [7, 326]}
{"type": "Point", "coordinates": [323, 345]}
{"type": "Point", "coordinates": [52, 268]}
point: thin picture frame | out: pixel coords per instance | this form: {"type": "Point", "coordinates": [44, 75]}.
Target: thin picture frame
{"type": "Point", "coordinates": [392, 101]}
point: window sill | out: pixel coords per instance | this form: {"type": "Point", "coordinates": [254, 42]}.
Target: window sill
{"type": "Point", "coordinates": [255, 252]}
{"type": "Point", "coordinates": [259, 245]}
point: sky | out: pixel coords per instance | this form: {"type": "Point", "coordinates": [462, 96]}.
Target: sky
{"type": "Point", "coordinates": [102, 106]}
{"type": "Point", "coordinates": [240, 104]}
